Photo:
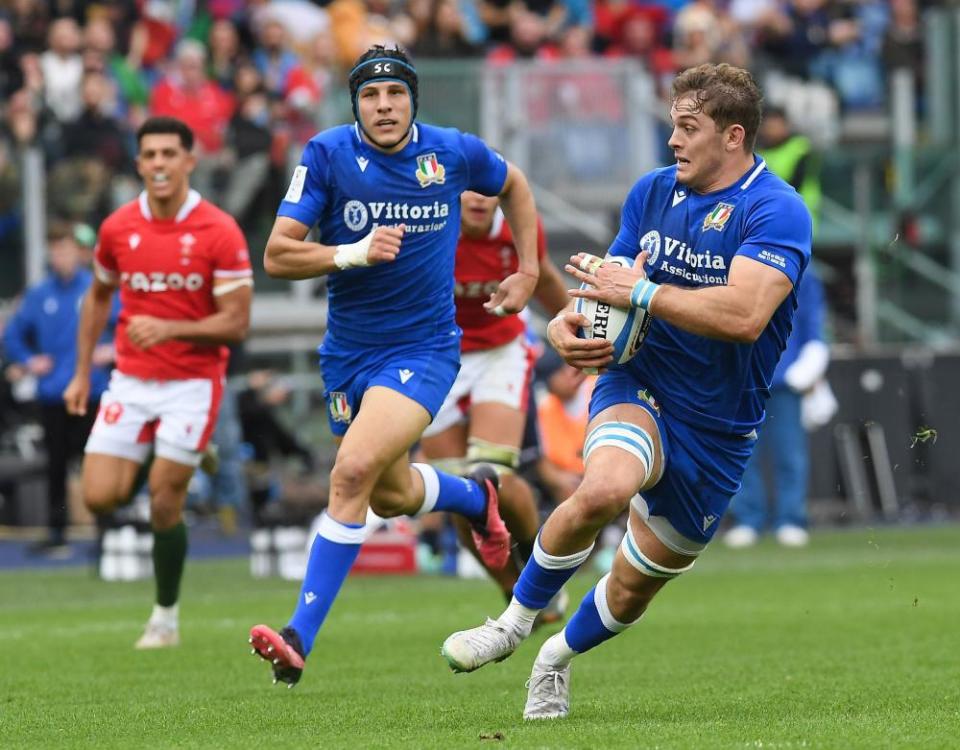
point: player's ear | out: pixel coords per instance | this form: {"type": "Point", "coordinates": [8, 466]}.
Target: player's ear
{"type": "Point", "coordinates": [191, 161]}
{"type": "Point", "coordinates": [735, 137]}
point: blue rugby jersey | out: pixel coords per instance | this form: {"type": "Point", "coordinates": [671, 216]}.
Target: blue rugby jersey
{"type": "Point", "coordinates": [347, 188]}
{"type": "Point", "coordinates": [692, 239]}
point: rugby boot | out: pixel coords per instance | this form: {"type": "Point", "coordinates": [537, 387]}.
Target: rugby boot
{"type": "Point", "coordinates": [468, 650]}
{"type": "Point", "coordinates": [158, 635]}
{"type": "Point", "coordinates": [490, 533]}
{"type": "Point", "coordinates": [548, 692]}
{"type": "Point", "coordinates": [283, 650]}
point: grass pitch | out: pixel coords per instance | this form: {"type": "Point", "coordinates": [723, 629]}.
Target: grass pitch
{"type": "Point", "coordinates": [850, 643]}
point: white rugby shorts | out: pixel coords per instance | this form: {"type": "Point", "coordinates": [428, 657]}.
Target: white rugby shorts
{"type": "Point", "coordinates": [500, 375]}
{"type": "Point", "coordinates": [175, 417]}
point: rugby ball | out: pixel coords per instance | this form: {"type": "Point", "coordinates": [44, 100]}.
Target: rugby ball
{"type": "Point", "coordinates": [626, 329]}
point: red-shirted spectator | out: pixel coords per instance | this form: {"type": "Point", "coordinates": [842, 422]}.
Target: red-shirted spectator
{"type": "Point", "coordinates": [187, 94]}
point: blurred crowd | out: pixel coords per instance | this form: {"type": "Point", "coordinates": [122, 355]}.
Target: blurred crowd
{"type": "Point", "coordinates": [77, 78]}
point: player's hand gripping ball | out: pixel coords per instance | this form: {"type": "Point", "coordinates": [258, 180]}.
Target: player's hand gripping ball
{"type": "Point", "coordinates": [624, 328]}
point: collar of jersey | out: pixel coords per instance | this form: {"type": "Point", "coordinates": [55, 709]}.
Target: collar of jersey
{"type": "Point", "coordinates": [192, 201]}
{"type": "Point", "coordinates": [369, 150]}
{"type": "Point", "coordinates": [751, 175]}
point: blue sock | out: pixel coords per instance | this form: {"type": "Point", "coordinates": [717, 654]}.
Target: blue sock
{"type": "Point", "coordinates": [450, 493]}
{"type": "Point", "coordinates": [544, 575]}
{"type": "Point", "coordinates": [593, 623]}
{"type": "Point", "coordinates": [333, 552]}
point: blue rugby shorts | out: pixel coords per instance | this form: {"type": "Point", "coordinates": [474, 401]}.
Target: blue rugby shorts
{"type": "Point", "coordinates": [702, 468]}
{"type": "Point", "coordinates": [423, 371]}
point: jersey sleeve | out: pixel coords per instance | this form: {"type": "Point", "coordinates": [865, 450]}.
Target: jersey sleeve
{"type": "Point", "coordinates": [487, 170]}
{"type": "Point", "coordinates": [307, 195]}
{"type": "Point", "coordinates": [626, 243]}
{"type": "Point", "coordinates": [231, 257]}
{"type": "Point", "coordinates": [104, 259]}
{"type": "Point", "coordinates": [778, 233]}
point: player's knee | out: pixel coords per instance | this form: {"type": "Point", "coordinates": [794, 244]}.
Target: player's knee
{"type": "Point", "coordinates": [353, 474]}
{"type": "Point", "coordinates": [599, 500]}
{"type": "Point", "coordinates": [389, 503]}
{"type": "Point", "coordinates": [99, 499]}
{"type": "Point", "coordinates": [629, 595]}
{"type": "Point", "coordinates": [165, 515]}
{"type": "Point", "coordinates": [100, 494]}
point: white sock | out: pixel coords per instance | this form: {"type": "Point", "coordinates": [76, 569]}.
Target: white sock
{"type": "Point", "coordinates": [169, 617]}
{"type": "Point", "coordinates": [556, 652]}
{"type": "Point", "coordinates": [518, 617]}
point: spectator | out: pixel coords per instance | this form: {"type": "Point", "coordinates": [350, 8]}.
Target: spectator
{"type": "Point", "coordinates": [96, 147]}
{"type": "Point", "coordinates": [528, 40]}
{"type": "Point", "coordinates": [96, 133]}
{"type": "Point", "coordinates": [100, 42]}
{"type": "Point", "coordinates": [783, 440]}
{"type": "Point", "coordinates": [62, 68]}
{"type": "Point", "coordinates": [310, 84]}
{"type": "Point", "coordinates": [248, 143]}
{"type": "Point", "coordinates": [224, 43]}
{"type": "Point", "coordinates": [152, 36]}
{"type": "Point", "coordinates": [273, 57]}
{"type": "Point", "coordinates": [29, 19]}
{"type": "Point", "coordinates": [40, 342]}
{"type": "Point", "coordinates": [11, 76]}
{"type": "Point", "coordinates": [444, 33]}
{"type": "Point", "coordinates": [703, 32]}
{"type": "Point", "coordinates": [790, 156]}
{"type": "Point", "coordinates": [903, 45]}
{"type": "Point", "coordinates": [638, 34]}
{"type": "Point", "coordinates": [187, 94]}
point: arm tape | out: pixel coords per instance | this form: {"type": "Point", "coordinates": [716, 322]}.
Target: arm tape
{"type": "Point", "coordinates": [354, 254]}
{"type": "Point", "coordinates": [231, 286]}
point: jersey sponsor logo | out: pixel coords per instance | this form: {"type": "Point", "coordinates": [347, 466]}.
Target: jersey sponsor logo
{"type": "Point", "coordinates": [340, 408]}
{"type": "Point", "coordinates": [405, 375]}
{"type": "Point", "coordinates": [357, 214]}
{"type": "Point", "coordinates": [651, 243]}
{"type": "Point", "coordinates": [158, 281]}
{"type": "Point", "coordinates": [717, 219]}
{"type": "Point", "coordinates": [362, 163]}
{"type": "Point", "coordinates": [299, 179]}
{"type": "Point", "coordinates": [475, 289]}
{"type": "Point", "coordinates": [679, 196]}
{"type": "Point", "coordinates": [429, 170]}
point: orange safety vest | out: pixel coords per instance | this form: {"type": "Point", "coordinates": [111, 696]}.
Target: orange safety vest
{"type": "Point", "coordinates": [562, 434]}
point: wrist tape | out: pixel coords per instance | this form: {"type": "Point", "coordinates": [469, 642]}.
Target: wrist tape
{"type": "Point", "coordinates": [353, 255]}
{"type": "Point", "coordinates": [642, 294]}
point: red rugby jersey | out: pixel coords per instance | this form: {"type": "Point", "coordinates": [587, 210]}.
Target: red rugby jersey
{"type": "Point", "coordinates": [482, 263]}
{"type": "Point", "coordinates": [166, 268]}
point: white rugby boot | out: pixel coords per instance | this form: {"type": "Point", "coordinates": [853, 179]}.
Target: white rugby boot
{"type": "Point", "coordinates": [548, 692]}
{"type": "Point", "coordinates": [158, 635]}
{"type": "Point", "coordinates": [468, 650]}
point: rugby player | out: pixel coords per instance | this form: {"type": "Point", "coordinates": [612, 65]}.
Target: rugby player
{"type": "Point", "coordinates": [720, 245]}
{"type": "Point", "coordinates": [183, 271]}
{"type": "Point", "coordinates": [385, 195]}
